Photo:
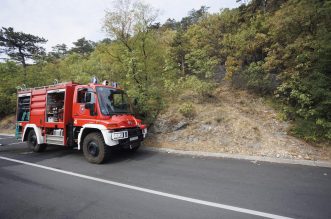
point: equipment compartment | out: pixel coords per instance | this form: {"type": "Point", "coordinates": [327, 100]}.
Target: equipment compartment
{"type": "Point", "coordinates": [55, 106]}
{"type": "Point", "coordinates": [23, 108]}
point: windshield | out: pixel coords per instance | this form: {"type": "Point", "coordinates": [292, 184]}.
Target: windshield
{"type": "Point", "coordinates": [113, 101]}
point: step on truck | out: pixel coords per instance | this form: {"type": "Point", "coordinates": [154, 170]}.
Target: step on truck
{"type": "Point", "coordinates": [93, 117]}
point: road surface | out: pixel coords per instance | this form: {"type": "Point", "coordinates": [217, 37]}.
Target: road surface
{"type": "Point", "coordinates": [59, 183]}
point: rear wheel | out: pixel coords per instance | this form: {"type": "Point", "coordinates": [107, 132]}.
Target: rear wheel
{"type": "Point", "coordinates": [33, 142]}
{"type": "Point", "coordinates": [94, 148]}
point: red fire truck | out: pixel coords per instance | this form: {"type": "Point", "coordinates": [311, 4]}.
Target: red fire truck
{"type": "Point", "coordinates": [93, 117]}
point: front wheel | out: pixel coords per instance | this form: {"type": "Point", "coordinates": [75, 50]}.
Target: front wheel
{"type": "Point", "coordinates": [33, 142]}
{"type": "Point", "coordinates": [94, 148]}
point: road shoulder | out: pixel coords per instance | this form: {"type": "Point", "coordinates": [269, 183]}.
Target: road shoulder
{"type": "Point", "coordinates": [316, 163]}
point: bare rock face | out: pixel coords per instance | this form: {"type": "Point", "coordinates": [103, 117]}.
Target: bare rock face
{"type": "Point", "coordinates": [167, 124]}
{"type": "Point", "coordinates": [181, 125]}
{"type": "Point", "coordinates": [160, 126]}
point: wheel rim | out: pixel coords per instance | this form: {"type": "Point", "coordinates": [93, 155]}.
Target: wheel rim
{"type": "Point", "coordinates": [93, 149]}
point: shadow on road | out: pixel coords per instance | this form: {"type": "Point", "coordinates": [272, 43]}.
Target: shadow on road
{"type": "Point", "coordinates": [21, 151]}
{"type": "Point", "coordinates": [118, 156]}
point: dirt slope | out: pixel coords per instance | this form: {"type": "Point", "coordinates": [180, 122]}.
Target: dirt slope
{"type": "Point", "coordinates": [7, 124]}
{"type": "Point", "coordinates": [231, 122]}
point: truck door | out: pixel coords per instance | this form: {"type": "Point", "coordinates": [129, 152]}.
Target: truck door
{"type": "Point", "coordinates": [84, 107]}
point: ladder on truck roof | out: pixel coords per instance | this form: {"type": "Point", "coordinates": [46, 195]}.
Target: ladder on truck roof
{"type": "Point", "coordinates": [43, 87]}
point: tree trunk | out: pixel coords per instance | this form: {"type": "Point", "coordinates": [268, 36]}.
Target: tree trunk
{"type": "Point", "coordinates": [23, 63]}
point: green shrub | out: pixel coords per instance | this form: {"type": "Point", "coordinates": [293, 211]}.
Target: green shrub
{"type": "Point", "coordinates": [305, 129]}
{"type": "Point", "coordinates": [201, 88]}
{"type": "Point", "coordinates": [258, 80]}
{"type": "Point", "coordinates": [187, 110]}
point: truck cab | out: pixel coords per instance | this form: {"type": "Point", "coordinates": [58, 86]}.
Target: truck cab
{"type": "Point", "coordinates": [94, 118]}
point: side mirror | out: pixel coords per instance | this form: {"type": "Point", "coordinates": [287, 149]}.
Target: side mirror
{"type": "Point", "coordinates": [88, 97]}
{"type": "Point", "coordinates": [91, 107]}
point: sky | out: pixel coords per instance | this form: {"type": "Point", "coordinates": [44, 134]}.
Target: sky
{"type": "Point", "coordinates": [65, 21]}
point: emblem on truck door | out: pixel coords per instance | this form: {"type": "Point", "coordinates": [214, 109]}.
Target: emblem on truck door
{"type": "Point", "coordinates": [81, 109]}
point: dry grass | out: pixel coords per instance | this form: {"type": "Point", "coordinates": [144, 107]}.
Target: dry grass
{"type": "Point", "coordinates": [7, 124]}
{"type": "Point", "coordinates": [233, 122]}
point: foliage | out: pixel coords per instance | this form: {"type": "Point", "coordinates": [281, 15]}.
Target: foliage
{"type": "Point", "coordinates": [10, 77]}
{"type": "Point", "coordinates": [20, 46]}
{"type": "Point", "coordinates": [257, 79]}
{"type": "Point", "coordinates": [137, 55]}
{"type": "Point", "coordinates": [187, 110]}
{"type": "Point", "coordinates": [81, 46]}
{"type": "Point", "coordinates": [58, 51]}
{"type": "Point", "coordinates": [201, 88]}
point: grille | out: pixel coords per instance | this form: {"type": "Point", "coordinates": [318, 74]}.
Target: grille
{"type": "Point", "coordinates": [132, 132]}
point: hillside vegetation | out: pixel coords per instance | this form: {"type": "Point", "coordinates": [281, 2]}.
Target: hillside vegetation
{"type": "Point", "coordinates": [231, 121]}
{"type": "Point", "coordinates": [276, 49]}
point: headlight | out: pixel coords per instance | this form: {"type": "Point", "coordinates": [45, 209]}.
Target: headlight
{"type": "Point", "coordinates": [119, 135]}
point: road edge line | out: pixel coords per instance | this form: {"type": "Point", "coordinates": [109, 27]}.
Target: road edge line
{"type": "Point", "coordinates": [8, 135]}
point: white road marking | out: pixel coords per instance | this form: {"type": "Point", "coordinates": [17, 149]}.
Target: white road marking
{"type": "Point", "coordinates": [6, 138]}
{"type": "Point", "coordinates": [28, 152]}
{"type": "Point", "coordinates": [9, 135]}
{"type": "Point", "coordinates": [154, 192]}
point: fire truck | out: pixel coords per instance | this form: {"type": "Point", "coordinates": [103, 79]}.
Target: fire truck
{"type": "Point", "coordinates": [94, 117]}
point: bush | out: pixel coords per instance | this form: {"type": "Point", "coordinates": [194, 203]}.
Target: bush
{"type": "Point", "coordinates": [149, 103]}
{"type": "Point", "coordinates": [187, 110]}
{"type": "Point", "coordinates": [10, 77]}
{"type": "Point", "coordinates": [201, 88]}
{"type": "Point", "coordinates": [258, 80]}
{"type": "Point", "coordinates": [306, 129]}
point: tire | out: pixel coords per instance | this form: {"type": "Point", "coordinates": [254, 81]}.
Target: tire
{"type": "Point", "coordinates": [33, 143]}
{"type": "Point", "coordinates": [94, 148]}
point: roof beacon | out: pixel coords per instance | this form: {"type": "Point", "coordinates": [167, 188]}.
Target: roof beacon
{"type": "Point", "coordinates": [105, 82]}
{"type": "Point", "coordinates": [114, 84]}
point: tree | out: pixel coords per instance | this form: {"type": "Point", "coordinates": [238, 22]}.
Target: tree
{"type": "Point", "coordinates": [129, 23]}
{"type": "Point", "coordinates": [20, 47]}
{"type": "Point", "coordinates": [10, 76]}
{"type": "Point", "coordinates": [59, 51]}
{"type": "Point", "coordinates": [193, 17]}
{"type": "Point", "coordinates": [171, 24]}
{"type": "Point", "coordinates": [180, 45]}
{"type": "Point", "coordinates": [83, 46]}
{"type": "Point", "coordinates": [138, 53]}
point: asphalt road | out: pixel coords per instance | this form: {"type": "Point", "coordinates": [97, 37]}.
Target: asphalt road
{"type": "Point", "coordinates": [59, 183]}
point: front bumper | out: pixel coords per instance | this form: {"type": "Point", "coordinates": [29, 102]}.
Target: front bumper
{"type": "Point", "coordinates": [133, 137]}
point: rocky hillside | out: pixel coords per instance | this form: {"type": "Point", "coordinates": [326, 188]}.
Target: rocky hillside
{"type": "Point", "coordinates": [7, 124]}
{"type": "Point", "coordinates": [232, 121]}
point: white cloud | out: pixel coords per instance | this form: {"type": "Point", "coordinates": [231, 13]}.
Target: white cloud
{"type": "Point", "coordinates": [65, 21]}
